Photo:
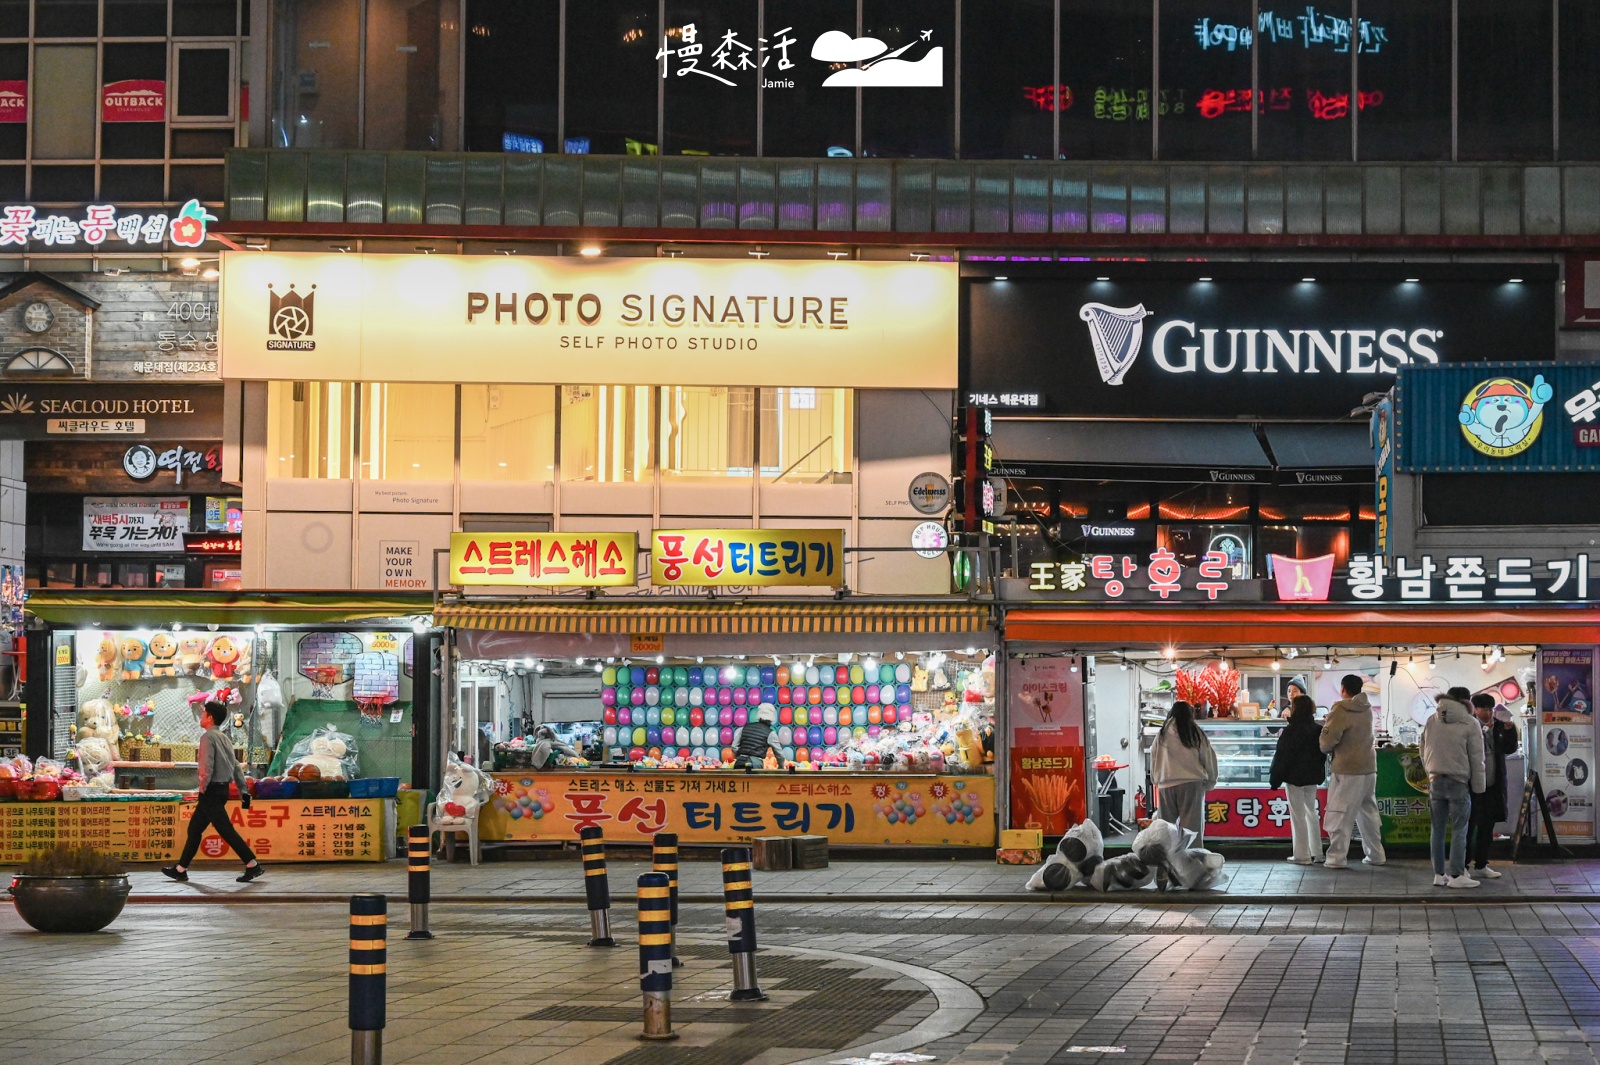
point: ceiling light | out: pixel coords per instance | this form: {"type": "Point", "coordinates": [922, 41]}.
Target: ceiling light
{"type": "Point", "coordinates": [539, 668]}
{"type": "Point", "coordinates": [1102, 279]}
{"type": "Point", "coordinates": [1307, 280]}
{"type": "Point", "coordinates": [1205, 279]}
{"type": "Point", "coordinates": [1516, 281]}
{"type": "Point", "coordinates": [589, 251]}
{"type": "Point", "coordinates": [210, 273]}
{"type": "Point", "coordinates": [1002, 277]}
{"type": "Point", "coordinates": [1412, 280]}
{"type": "Point", "coordinates": [1276, 665]}
{"type": "Point", "coordinates": [190, 263]}
{"type": "Point", "coordinates": [1169, 652]}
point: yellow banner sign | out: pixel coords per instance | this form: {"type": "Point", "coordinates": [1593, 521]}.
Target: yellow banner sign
{"type": "Point", "coordinates": [858, 808]}
{"type": "Point", "coordinates": [698, 557]}
{"type": "Point", "coordinates": [283, 830]}
{"type": "Point", "coordinates": [538, 319]}
{"type": "Point", "coordinates": [481, 559]}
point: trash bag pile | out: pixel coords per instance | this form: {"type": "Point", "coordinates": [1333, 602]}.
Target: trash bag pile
{"type": "Point", "coordinates": [1162, 847]}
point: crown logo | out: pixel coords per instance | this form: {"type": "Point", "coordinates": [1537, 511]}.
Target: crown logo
{"type": "Point", "coordinates": [290, 314]}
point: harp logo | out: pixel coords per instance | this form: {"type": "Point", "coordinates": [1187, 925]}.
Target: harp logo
{"type": "Point", "coordinates": [1117, 333]}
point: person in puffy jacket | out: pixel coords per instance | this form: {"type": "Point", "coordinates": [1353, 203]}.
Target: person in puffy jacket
{"type": "Point", "coordinates": [1184, 767]}
{"type": "Point", "coordinates": [1352, 793]}
{"type": "Point", "coordinates": [1489, 809]}
{"type": "Point", "coordinates": [1452, 754]}
{"type": "Point", "coordinates": [1299, 767]}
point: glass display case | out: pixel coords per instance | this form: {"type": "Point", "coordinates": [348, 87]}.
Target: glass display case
{"type": "Point", "coordinates": [1244, 750]}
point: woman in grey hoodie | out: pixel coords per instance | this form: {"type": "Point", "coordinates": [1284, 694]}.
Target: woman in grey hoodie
{"type": "Point", "coordinates": [1184, 767]}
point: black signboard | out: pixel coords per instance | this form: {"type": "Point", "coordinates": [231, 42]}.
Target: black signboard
{"type": "Point", "coordinates": [1272, 341]}
{"type": "Point", "coordinates": [91, 412]}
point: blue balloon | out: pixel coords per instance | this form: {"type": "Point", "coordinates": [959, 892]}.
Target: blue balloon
{"type": "Point", "coordinates": [769, 674]}
{"type": "Point", "coordinates": [769, 694]}
{"type": "Point", "coordinates": [636, 676]}
{"type": "Point", "coordinates": [814, 735]}
{"type": "Point", "coordinates": [694, 676]}
{"type": "Point", "coordinates": [902, 693]}
{"type": "Point", "coordinates": [653, 735]}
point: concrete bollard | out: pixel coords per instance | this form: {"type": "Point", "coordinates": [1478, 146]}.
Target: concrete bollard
{"type": "Point", "coordinates": [596, 889]}
{"type": "Point", "coordinates": [369, 930]}
{"type": "Point", "coordinates": [738, 899]}
{"type": "Point", "coordinates": [419, 890]}
{"type": "Point", "coordinates": [664, 852]}
{"type": "Point", "coordinates": [655, 955]}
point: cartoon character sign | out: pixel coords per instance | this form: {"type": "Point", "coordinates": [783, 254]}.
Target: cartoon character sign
{"type": "Point", "coordinates": [1502, 416]}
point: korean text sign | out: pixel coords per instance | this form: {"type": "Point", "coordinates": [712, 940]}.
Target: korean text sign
{"type": "Point", "coordinates": [1464, 578]}
{"type": "Point", "coordinates": [135, 523]}
{"type": "Point", "coordinates": [744, 557]}
{"type": "Point", "coordinates": [1529, 417]}
{"type": "Point", "coordinates": [717, 807]}
{"type": "Point", "coordinates": [1158, 576]}
{"type": "Point", "coordinates": [599, 321]}
{"type": "Point", "coordinates": [1045, 715]}
{"type": "Point", "coordinates": [482, 559]}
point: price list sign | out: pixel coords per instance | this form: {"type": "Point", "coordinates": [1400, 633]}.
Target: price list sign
{"type": "Point", "coordinates": [131, 831]}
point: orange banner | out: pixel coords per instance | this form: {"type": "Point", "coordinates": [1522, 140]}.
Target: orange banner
{"type": "Point", "coordinates": [730, 807]}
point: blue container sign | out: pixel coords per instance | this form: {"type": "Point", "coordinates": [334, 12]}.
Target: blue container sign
{"type": "Point", "coordinates": [1499, 417]}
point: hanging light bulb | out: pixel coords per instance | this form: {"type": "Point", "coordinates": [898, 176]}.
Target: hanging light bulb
{"type": "Point", "coordinates": [527, 663]}
{"type": "Point", "coordinates": [971, 651]}
{"type": "Point", "coordinates": [870, 665]}
{"type": "Point", "coordinates": [1124, 662]}
{"type": "Point", "coordinates": [539, 666]}
{"type": "Point", "coordinates": [1433, 659]}
{"type": "Point", "coordinates": [1169, 652]}
{"type": "Point", "coordinates": [699, 659]}
{"type": "Point", "coordinates": [578, 661]}
{"type": "Point", "coordinates": [1276, 665]}
{"type": "Point", "coordinates": [900, 656]}
{"type": "Point", "coordinates": [661, 660]}
{"type": "Point", "coordinates": [1074, 665]}
{"type": "Point", "coordinates": [599, 667]}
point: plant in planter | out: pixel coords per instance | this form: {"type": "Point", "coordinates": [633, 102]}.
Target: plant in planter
{"type": "Point", "coordinates": [70, 889]}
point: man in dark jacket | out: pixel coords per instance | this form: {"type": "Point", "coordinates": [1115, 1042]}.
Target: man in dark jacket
{"type": "Point", "coordinates": [1489, 809]}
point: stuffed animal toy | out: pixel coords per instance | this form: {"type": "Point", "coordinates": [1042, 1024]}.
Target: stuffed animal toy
{"type": "Point", "coordinates": [1164, 845]}
{"type": "Point", "coordinates": [105, 659]}
{"type": "Point", "coordinates": [97, 736]}
{"type": "Point", "coordinates": [326, 757]}
{"type": "Point", "coordinates": [241, 668]}
{"type": "Point", "coordinates": [223, 654]}
{"type": "Point", "coordinates": [191, 655]}
{"type": "Point", "coordinates": [163, 655]}
{"type": "Point", "coordinates": [133, 655]}
{"type": "Point", "coordinates": [463, 789]}
{"type": "Point", "coordinates": [1077, 856]}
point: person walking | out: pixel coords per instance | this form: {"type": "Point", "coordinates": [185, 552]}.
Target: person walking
{"type": "Point", "coordinates": [1352, 793]}
{"type": "Point", "coordinates": [1452, 755]}
{"type": "Point", "coordinates": [1300, 767]}
{"type": "Point", "coordinates": [1489, 809]}
{"type": "Point", "coordinates": [217, 769]}
{"type": "Point", "coordinates": [1184, 767]}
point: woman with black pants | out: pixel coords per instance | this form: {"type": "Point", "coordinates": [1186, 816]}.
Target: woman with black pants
{"type": "Point", "coordinates": [1489, 809]}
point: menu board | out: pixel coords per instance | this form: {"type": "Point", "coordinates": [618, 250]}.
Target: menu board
{"type": "Point", "coordinates": [1567, 751]}
{"type": "Point", "coordinates": [284, 830]}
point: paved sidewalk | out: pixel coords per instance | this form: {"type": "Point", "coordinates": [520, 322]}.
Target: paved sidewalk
{"type": "Point", "coordinates": [1244, 882]}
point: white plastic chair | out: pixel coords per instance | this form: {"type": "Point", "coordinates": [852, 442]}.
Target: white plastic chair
{"type": "Point", "coordinates": [448, 833]}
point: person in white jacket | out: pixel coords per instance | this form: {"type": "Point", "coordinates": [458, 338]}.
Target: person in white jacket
{"type": "Point", "coordinates": [1452, 754]}
{"type": "Point", "coordinates": [1184, 767]}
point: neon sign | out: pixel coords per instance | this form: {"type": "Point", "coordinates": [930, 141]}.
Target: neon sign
{"type": "Point", "coordinates": [212, 544]}
{"type": "Point", "coordinates": [1214, 103]}
{"type": "Point", "coordinates": [100, 223]}
{"type": "Point", "coordinates": [1313, 29]}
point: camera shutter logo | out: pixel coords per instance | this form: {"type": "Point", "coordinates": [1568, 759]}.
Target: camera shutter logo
{"type": "Point", "coordinates": [291, 319]}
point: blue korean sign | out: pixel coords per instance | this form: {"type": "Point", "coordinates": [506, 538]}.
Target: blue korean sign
{"type": "Point", "coordinates": [1383, 450]}
{"type": "Point", "coordinates": [1498, 417]}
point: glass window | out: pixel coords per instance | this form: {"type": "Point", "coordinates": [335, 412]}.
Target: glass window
{"type": "Point", "coordinates": [707, 433]}
{"type": "Point", "coordinates": [66, 99]}
{"type": "Point", "coordinates": [134, 140]}
{"type": "Point", "coordinates": [412, 74]}
{"type": "Point", "coordinates": [1580, 79]}
{"type": "Point", "coordinates": [1105, 64]}
{"type": "Point", "coordinates": [605, 433]}
{"type": "Point", "coordinates": [408, 432]}
{"type": "Point", "coordinates": [314, 92]}
{"type": "Point", "coordinates": [63, 184]}
{"type": "Point", "coordinates": [1504, 87]}
{"type": "Point", "coordinates": [513, 75]}
{"type": "Point", "coordinates": [201, 143]}
{"type": "Point", "coordinates": [808, 435]}
{"type": "Point", "coordinates": [310, 428]}
{"type": "Point", "coordinates": [66, 18]}
{"type": "Point", "coordinates": [132, 184]}
{"type": "Point", "coordinates": [136, 18]}
{"type": "Point", "coordinates": [1205, 68]}
{"type": "Point", "coordinates": [203, 183]}
{"type": "Point", "coordinates": [204, 18]}
{"type": "Point", "coordinates": [710, 80]}
{"type": "Point", "coordinates": [800, 117]}
{"type": "Point", "coordinates": [1305, 57]}
{"type": "Point", "coordinates": [508, 433]}
{"type": "Point", "coordinates": [13, 18]}
{"type": "Point", "coordinates": [612, 78]}
{"type": "Point", "coordinates": [919, 49]}
{"type": "Point", "coordinates": [1008, 92]}
{"type": "Point", "coordinates": [1404, 70]}
{"type": "Point", "coordinates": [13, 67]}
{"type": "Point", "coordinates": [1191, 543]}
{"type": "Point", "coordinates": [205, 82]}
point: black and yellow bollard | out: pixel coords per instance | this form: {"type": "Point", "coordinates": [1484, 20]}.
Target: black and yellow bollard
{"type": "Point", "coordinates": [419, 891]}
{"type": "Point", "coordinates": [738, 899]}
{"type": "Point", "coordinates": [596, 889]}
{"type": "Point", "coordinates": [655, 955]}
{"type": "Point", "coordinates": [369, 930]}
{"type": "Point", "coordinates": [664, 852]}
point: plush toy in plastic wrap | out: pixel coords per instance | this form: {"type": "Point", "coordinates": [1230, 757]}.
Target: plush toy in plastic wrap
{"type": "Point", "coordinates": [1077, 856]}
{"type": "Point", "coordinates": [96, 740]}
{"type": "Point", "coordinates": [1164, 845]}
{"type": "Point", "coordinates": [462, 790]}
{"type": "Point", "coordinates": [1126, 872]}
{"type": "Point", "coordinates": [325, 754]}
{"type": "Point", "coordinates": [270, 707]}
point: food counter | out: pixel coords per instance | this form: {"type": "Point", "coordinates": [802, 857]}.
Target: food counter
{"type": "Point", "coordinates": [732, 806]}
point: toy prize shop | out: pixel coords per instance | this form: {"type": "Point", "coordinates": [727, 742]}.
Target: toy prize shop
{"type": "Point", "coordinates": [321, 694]}
{"type": "Point", "coordinates": [866, 722]}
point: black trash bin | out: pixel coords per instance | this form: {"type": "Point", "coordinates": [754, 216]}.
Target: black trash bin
{"type": "Point", "coordinates": [1110, 808]}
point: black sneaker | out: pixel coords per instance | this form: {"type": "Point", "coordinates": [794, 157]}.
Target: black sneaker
{"type": "Point", "coordinates": [252, 872]}
{"type": "Point", "coordinates": [172, 872]}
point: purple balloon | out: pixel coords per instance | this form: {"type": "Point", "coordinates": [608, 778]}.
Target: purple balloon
{"type": "Point", "coordinates": [636, 697]}
{"type": "Point", "coordinates": [725, 696]}
{"type": "Point", "coordinates": [741, 717]}
{"type": "Point", "coordinates": [726, 736]}
{"type": "Point", "coordinates": [725, 718]}
{"type": "Point", "coordinates": [872, 693]}
{"type": "Point", "coordinates": [623, 716]}
{"type": "Point", "coordinates": [608, 697]}
{"type": "Point", "coordinates": [738, 696]}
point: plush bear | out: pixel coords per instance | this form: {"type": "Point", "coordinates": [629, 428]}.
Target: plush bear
{"type": "Point", "coordinates": [326, 757]}
{"type": "Point", "coordinates": [163, 655]}
{"type": "Point", "coordinates": [1077, 856]}
{"type": "Point", "coordinates": [1163, 845]}
{"type": "Point", "coordinates": [191, 655]}
{"type": "Point", "coordinates": [223, 654]}
{"type": "Point", "coordinates": [96, 740]}
{"type": "Point", "coordinates": [463, 789]}
{"type": "Point", "coordinates": [133, 654]}
{"type": "Point", "coordinates": [105, 659]}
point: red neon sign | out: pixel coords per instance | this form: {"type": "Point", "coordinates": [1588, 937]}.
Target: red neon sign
{"type": "Point", "coordinates": [212, 544]}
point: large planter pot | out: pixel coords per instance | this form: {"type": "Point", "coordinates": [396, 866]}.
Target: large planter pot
{"type": "Point", "coordinates": [69, 903]}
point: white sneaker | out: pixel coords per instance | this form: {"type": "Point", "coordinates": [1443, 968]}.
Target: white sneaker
{"type": "Point", "coordinates": [1462, 881]}
{"type": "Point", "coordinates": [1440, 880]}
{"type": "Point", "coordinates": [1331, 864]}
{"type": "Point", "coordinates": [1307, 861]}
{"type": "Point", "coordinates": [1369, 860]}
{"type": "Point", "coordinates": [1483, 872]}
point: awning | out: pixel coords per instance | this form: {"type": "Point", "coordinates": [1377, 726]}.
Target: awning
{"type": "Point", "coordinates": [716, 619]}
{"type": "Point", "coordinates": [87, 607]}
{"type": "Point", "coordinates": [1062, 449]}
{"type": "Point", "coordinates": [1284, 625]}
{"type": "Point", "coordinates": [1322, 454]}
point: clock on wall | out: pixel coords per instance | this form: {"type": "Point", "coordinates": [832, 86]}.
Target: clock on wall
{"type": "Point", "coordinates": [37, 317]}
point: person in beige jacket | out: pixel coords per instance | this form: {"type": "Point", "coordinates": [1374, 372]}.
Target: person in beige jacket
{"type": "Point", "coordinates": [1183, 765]}
{"type": "Point", "coordinates": [1352, 790]}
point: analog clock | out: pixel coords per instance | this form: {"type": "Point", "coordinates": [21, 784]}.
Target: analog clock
{"type": "Point", "coordinates": [37, 317]}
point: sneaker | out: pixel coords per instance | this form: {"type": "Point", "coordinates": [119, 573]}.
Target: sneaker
{"type": "Point", "coordinates": [1331, 864]}
{"type": "Point", "coordinates": [1483, 872]}
{"type": "Point", "coordinates": [172, 872]}
{"type": "Point", "coordinates": [1462, 881]}
{"type": "Point", "coordinates": [1370, 860]}
{"type": "Point", "coordinates": [1298, 861]}
{"type": "Point", "coordinates": [1440, 880]}
{"type": "Point", "coordinates": [252, 872]}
